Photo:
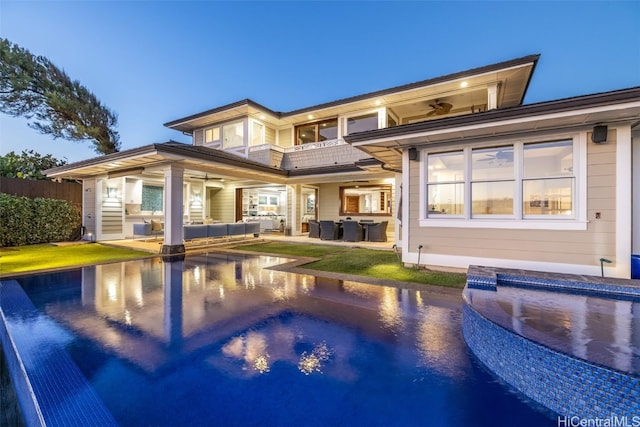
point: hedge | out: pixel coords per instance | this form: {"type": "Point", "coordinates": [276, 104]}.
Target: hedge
{"type": "Point", "coordinates": [25, 221]}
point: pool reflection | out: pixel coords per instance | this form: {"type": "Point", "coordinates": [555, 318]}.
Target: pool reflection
{"type": "Point", "coordinates": [155, 314]}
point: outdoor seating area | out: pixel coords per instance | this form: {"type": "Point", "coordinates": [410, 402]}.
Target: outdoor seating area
{"type": "Point", "coordinates": [201, 231]}
{"type": "Point", "coordinates": [349, 231]}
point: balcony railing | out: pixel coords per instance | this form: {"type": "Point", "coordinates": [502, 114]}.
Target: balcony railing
{"type": "Point", "coordinates": [298, 148]}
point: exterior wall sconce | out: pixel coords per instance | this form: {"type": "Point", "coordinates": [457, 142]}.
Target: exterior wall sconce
{"type": "Point", "coordinates": [112, 192]}
{"type": "Point", "coordinates": [599, 134]}
{"type": "Point", "coordinates": [413, 153]}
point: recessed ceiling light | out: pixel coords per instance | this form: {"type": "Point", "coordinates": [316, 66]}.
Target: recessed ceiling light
{"type": "Point", "coordinates": [378, 102]}
{"type": "Point", "coordinates": [310, 116]}
{"type": "Point", "coordinates": [262, 117]}
{"type": "Point", "coordinates": [464, 84]}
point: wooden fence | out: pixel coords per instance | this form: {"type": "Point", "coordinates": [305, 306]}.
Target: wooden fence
{"type": "Point", "coordinates": [70, 191]}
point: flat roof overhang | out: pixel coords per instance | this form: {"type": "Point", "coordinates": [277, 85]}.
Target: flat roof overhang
{"type": "Point", "coordinates": [387, 145]}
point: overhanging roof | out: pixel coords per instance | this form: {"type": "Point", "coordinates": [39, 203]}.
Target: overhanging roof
{"type": "Point", "coordinates": [156, 156]}
{"type": "Point", "coordinates": [513, 94]}
{"type": "Point", "coordinates": [610, 107]}
{"type": "Point", "coordinates": [152, 159]}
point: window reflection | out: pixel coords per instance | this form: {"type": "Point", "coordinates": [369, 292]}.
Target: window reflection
{"type": "Point", "coordinates": [445, 177]}
{"type": "Point", "coordinates": [233, 135]}
{"type": "Point", "coordinates": [317, 132]}
{"type": "Point", "coordinates": [365, 200]}
{"type": "Point", "coordinates": [362, 123]}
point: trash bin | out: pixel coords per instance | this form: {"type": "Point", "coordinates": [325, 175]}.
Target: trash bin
{"type": "Point", "coordinates": [635, 266]}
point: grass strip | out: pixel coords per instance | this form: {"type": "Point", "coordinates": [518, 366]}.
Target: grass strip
{"type": "Point", "coordinates": [361, 262]}
{"type": "Point", "coordinates": [20, 259]}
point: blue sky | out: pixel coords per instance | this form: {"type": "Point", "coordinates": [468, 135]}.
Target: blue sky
{"type": "Point", "coordinates": [156, 61]}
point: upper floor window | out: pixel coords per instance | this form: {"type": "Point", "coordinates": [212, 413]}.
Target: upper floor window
{"type": "Point", "coordinates": [211, 135]}
{"type": "Point", "coordinates": [257, 133]}
{"type": "Point", "coordinates": [317, 132]}
{"type": "Point", "coordinates": [362, 123]}
{"type": "Point", "coordinates": [518, 181]}
{"type": "Point", "coordinates": [233, 135]}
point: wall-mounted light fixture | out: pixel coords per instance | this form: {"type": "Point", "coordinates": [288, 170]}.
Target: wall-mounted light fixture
{"type": "Point", "coordinates": [112, 192]}
{"type": "Point", "coordinates": [413, 153]}
{"type": "Point", "coordinates": [599, 134]}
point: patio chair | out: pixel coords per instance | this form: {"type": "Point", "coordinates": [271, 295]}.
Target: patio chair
{"type": "Point", "coordinates": [378, 232]}
{"type": "Point", "coordinates": [352, 231]}
{"type": "Point", "coordinates": [314, 229]}
{"type": "Point", "coordinates": [329, 230]}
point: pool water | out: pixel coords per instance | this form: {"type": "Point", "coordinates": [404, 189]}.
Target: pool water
{"type": "Point", "coordinates": [225, 340]}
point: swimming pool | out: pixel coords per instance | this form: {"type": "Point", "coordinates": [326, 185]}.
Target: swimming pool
{"type": "Point", "coordinates": [224, 340]}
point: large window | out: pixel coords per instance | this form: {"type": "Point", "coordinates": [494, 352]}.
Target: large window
{"type": "Point", "coordinates": [492, 181]}
{"type": "Point", "coordinates": [518, 181]}
{"type": "Point", "coordinates": [365, 200]}
{"type": "Point", "coordinates": [548, 179]}
{"type": "Point", "coordinates": [362, 123]}
{"type": "Point", "coordinates": [233, 135]}
{"type": "Point", "coordinates": [317, 132]}
{"type": "Point", "coordinates": [446, 183]}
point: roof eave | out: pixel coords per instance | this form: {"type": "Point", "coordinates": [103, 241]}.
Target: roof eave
{"type": "Point", "coordinates": [547, 107]}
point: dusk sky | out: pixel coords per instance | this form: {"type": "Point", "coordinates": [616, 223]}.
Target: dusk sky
{"type": "Point", "coordinates": [155, 61]}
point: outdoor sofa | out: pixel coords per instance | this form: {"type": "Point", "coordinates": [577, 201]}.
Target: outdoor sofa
{"type": "Point", "coordinates": [205, 231]}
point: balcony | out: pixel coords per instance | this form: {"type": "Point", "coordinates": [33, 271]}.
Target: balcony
{"type": "Point", "coordinates": [311, 155]}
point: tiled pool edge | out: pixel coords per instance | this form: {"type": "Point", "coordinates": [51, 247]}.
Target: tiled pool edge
{"type": "Point", "coordinates": [563, 383]}
{"type": "Point", "coordinates": [53, 394]}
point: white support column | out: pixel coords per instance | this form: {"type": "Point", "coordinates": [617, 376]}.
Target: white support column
{"type": "Point", "coordinates": [623, 202]}
{"type": "Point", "coordinates": [635, 217]}
{"type": "Point", "coordinates": [173, 200]}
{"type": "Point", "coordinates": [492, 96]}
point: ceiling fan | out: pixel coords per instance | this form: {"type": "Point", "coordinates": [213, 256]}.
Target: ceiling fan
{"type": "Point", "coordinates": [439, 108]}
{"type": "Point", "coordinates": [500, 155]}
{"type": "Point", "coordinates": [206, 178]}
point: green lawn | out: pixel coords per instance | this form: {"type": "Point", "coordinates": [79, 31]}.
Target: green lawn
{"type": "Point", "coordinates": [20, 259]}
{"type": "Point", "coordinates": [362, 262]}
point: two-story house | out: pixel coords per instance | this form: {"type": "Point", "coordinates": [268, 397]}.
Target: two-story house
{"type": "Point", "coordinates": [454, 164]}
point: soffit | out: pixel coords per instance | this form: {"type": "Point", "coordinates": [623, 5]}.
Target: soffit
{"type": "Point", "coordinates": [156, 157]}
{"type": "Point", "coordinates": [512, 78]}
{"type": "Point", "coordinates": [389, 150]}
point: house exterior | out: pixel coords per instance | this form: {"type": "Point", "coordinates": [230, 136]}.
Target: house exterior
{"type": "Point", "coordinates": [456, 165]}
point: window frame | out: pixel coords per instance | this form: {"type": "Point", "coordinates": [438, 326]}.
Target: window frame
{"type": "Point", "coordinates": [378, 111]}
{"type": "Point", "coordinates": [342, 206]}
{"type": "Point", "coordinates": [316, 125]}
{"type": "Point", "coordinates": [577, 221]}
{"type": "Point", "coordinates": [212, 129]}
{"type": "Point", "coordinates": [242, 125]}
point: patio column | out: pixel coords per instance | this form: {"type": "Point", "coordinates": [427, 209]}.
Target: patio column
{"type": "Point", "coordinates": [173, 199]}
